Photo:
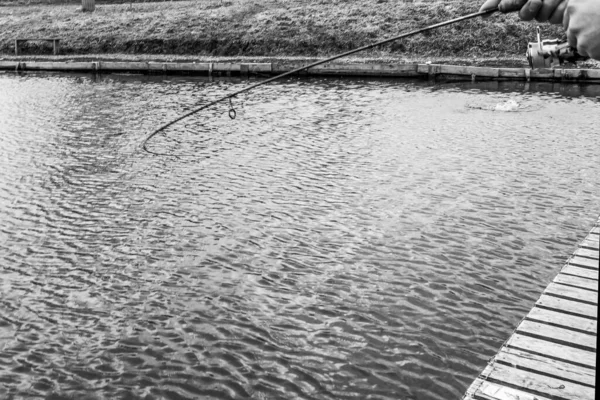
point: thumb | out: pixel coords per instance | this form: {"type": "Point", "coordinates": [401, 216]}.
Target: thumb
{"type": "Point", "coordinates": [489, 5]}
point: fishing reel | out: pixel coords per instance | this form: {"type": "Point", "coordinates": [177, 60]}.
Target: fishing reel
{"type": "Point", "coordinates": [550, 53]}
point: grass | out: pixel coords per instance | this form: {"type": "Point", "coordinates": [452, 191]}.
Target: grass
{"type": "Point", "coordinates": [267, 28]}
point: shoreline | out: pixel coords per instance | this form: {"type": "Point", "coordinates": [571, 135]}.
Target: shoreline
{"type": "Point", "coordinates": [270, 66]}
{"type": "Point", "coordinates": [290, 32]}
{"type": "Point", "coordinates": [506, 62]}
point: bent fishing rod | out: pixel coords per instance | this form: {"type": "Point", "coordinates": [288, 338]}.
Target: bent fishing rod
{"type": "Point", "coordinates": [305, 67]}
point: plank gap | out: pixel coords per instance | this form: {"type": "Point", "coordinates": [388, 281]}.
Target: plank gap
{"type": "Point", "coordinates": [540, 321]}
{"type": "Point", "coordinates": [566, 312]}
{"type": "Point", "coordinates": [577, 282]}
{"type": "Point", "coordinates": [555, 350]}
{"type": "Point", "coordinates": [486, 387]}
{"type": "Point", "coordinates": [552, 357]}
{"type": "Point", "coordinates": [587, 273]}
{"type": "Point", "coordinates": [573, 322]}
{"type": "Point", "coordinates": [579, 276]}
{"type": "Point", "coordinates": [559, 296]}
{"type": "Point", "coordinates": [586, 255]}
{"type": "Point", "coordinates": [588, 247]}
{"type": "Point", "coordinates": [526, 390]}
{"type": "Point", "coordinates": [557, 341]}
{"type": "Point", "coordinates": [562, 378]}
{"type": "Point", "coordinates": [581, 264]}
{"type": "Point", "coordinates": [546, 366]}
{"type": "Point", "coordinates": [578, 287]}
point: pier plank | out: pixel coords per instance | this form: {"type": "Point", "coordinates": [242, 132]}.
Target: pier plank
{"type": "Point", "coordinates": [493, 391]}
{"type": "Point", "coordinates": [546, 366]}
{"type": "Point", "coordinates": [584, 262]}
{"type": "Point", "coordinates": [555, 334]}
{"type": "Point", "coordinates": [540, 384]}
{"type": "Point", "coordinates": [593, 236]}
{"type": "Point", "coordinates": [569, 306]}
{"type": "Point", "coordinates": [473, 388]}
{"type": "Point", "coordinates": [565, 320]}
{"type": "Point", "coordinates": [581, 272]}
{"type": "Point", "coordinates": [583, 283]}
{"type": "Point", "coordinates": [587, 253]}
{"type": "Point", "coordinates": [590, 243]}
{"type": "Point", "coordinates": [573, 293]}
{"type": "Point", "coordinates": [553, 350]}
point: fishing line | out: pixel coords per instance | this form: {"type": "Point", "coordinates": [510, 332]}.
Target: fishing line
{"type": "Point", "coordinates": [232, 113]}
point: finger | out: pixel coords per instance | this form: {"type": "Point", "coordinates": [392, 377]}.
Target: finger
{"type": "Point", "coordinates": [572, 39]}
{"type": "Point", "coordinates": [557, 16]}
{"type": "Point", "coordinates": [548, 7]}
{"type": "Point", "coordinates": [507, 6]}
{"type": "Point", "coordinates": [489, 4]}
{"type": "Point", "coordinates": [582, 50]}
{"type": "Point", "coordinates": [584, 53]}
{"type": "Point", "coordinates": [530, 10]}
{"type": "Point", "coordinates": [566, 19]}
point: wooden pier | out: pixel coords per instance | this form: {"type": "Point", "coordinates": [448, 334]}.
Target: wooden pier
{"type": "Point", "coordinates": [552, 353]}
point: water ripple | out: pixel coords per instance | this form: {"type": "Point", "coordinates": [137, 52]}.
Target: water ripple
{"type": "Point", "coordinates": [341, 239]}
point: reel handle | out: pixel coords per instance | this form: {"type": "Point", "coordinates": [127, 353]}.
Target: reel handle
{"type": "Point", "coordinates": [568, 53]}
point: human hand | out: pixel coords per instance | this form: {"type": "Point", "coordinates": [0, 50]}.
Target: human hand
{"type": "Point", "coordinates": [541, 10]}
{"type": "Point", "coordinates": [582, 23]}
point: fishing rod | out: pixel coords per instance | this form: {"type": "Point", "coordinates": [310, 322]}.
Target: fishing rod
{"type": "Point", "coordinates": [305, 67]}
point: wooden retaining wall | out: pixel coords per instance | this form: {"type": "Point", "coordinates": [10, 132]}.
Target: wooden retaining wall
{"type": "Point", "coordinates": [552, 353]}
{"type": "Point", "coordinates": [430, 71]}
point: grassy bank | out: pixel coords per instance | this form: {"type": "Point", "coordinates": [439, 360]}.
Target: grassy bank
{"type": "Point", "coordinates": [267, 28]}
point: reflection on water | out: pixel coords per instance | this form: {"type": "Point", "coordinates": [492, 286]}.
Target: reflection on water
{"type": "Point", "coordinates": [340, 239]}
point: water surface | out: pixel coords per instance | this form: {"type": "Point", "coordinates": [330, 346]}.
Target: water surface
{"type": "Point", "coordinates": [340, 239]}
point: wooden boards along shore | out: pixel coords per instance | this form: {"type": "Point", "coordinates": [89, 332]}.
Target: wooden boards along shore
{"type": "Point", "coordinates": [552, 353]}
{"type": "Point", "coordinates": [429, 71]}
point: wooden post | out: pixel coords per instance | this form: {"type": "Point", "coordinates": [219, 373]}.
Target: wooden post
{"type": "Point", "coordinates": [244, 70]}
{"type": "Point", "coordinates": [88, 5]}
{"type": "Point", "coordinates": [16, 47]}
{"type": "Point", "coordinates": [55, 46]}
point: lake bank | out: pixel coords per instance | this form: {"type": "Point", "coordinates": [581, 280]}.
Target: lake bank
{"type": "Point", "coordinates": [248, 28]}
